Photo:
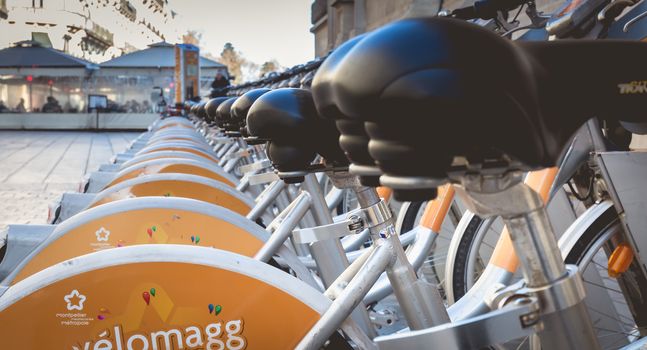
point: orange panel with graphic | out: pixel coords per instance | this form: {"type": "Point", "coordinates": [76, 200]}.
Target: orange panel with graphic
{"type": "Point", "coordinates": [183, 189]}
{"type": "Point", "coordinates": [171, 168]}
{"type": "Point", "coordinates": [145, 226]}
{"type": "Point", "coordinates": [156, 305]}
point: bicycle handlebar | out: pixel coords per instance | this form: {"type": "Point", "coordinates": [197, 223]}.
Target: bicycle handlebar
{"type": "Point", "coordinates": [485, 9]}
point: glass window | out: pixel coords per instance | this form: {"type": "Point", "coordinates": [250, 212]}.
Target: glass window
{"type": "Point", "coordinates": [135, 93]}
{"type": "Point", "coordinates": [41, 93]}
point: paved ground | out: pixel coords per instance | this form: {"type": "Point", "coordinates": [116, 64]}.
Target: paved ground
{"type": "Point", "coordinates": [37, 166]}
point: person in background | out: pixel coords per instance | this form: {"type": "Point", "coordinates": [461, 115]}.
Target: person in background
{"type": "Point", "coordinates": [52, 106]}
{"type": "Point", "coordinates": [20, 107]}
{"type": "Point", "coordinates": [220, 82]}
{"type": "Point", "coordinates": [3, 107]}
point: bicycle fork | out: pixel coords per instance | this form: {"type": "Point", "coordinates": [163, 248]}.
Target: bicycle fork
{"type": "Point", "coordinates": [559, 289]}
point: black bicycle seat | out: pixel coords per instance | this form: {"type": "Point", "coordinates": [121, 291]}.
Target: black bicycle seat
{"type": "Point", "coordinates": [223, 114]}
{"type": "Point", "coordinates": [241, 107]}
{"type": "Point", "coordinates": [288, 120]}
{"type": "Point", "coordinates": [306, 80]}
{"type": "Point", "coordinates": [200, 111]}
{"type": "Point", "coordinates": [192, 109]}
{"type": "Point", "coordinates": [353, 140]}
{"type": "Point", "coordinates": [425, 104]}
{"type": "Point", "coordinates": [468, 93]}
{"type": "Point", "coordinates": [212, 106]}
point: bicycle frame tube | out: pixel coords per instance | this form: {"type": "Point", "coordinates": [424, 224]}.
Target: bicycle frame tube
{"type": "Point", "coordinates": [266, 198]}
{"type": "Point", "coordinates": [436, 211]}
{"type": "Point", "coordinates": [329, 254]}
{"type": "Point", "coordinates": [384, 193]}
{"type": "Point", "coordinates": [430, 224]}
{"type": "Point", "coordinates": [503, 255]}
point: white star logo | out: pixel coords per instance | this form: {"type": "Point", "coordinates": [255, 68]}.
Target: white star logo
{"type": "Point", "coordinates": [74, 300]}
{"type": "Point", "coordinates": [102, 235]}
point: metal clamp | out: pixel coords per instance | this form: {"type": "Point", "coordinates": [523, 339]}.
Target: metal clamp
{"type": "Point", "coordinates": [259, 179]}
{"type": "Point", "coordinates": [505, 195]}
{"type": "Point", "coordinates": [377, 214]}
{"type": "Point", "coordinates": [260, 165]}
{"type": "Point", "coordinates": [559, 295]}
{"type": "Point", "coordinates": [379, 219]}
{"type": "Point", "coordinates": [352, 225]}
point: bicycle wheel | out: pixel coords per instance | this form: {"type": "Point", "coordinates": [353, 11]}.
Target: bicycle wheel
{"type": "Point", "coordinates": [616, 305]}
{"type": "Point", "coordinates": [474, 240]}
{"type": "Point", "coordinates": [433, 269]}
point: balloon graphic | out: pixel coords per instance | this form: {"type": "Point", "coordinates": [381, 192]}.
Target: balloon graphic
{"type": "Point", "coordinates": [101, 317]}
{"type": "Point", "coordinates": [192, 239]}
{"type": "Point", "coordinates": [150, 232]}
{"type": "Point", "coordinates": [210, 308]}
{"type": "Point", "coordinates": [197, 239]}
{"type": "Point", "coordinates": [147, 298]}
{"type": "Point", "coordinates": [218, 309]}
{"type": "Point", "coordinates": [153, 291]}
{"type": "Point", "coordinates": [103, 310]}
{"type": "Point", "coordinates": [154, 229]}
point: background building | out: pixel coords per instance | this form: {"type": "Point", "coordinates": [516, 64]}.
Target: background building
{"type": "Point", "coordinates": [34, 77]}
{"type": "Point", "coordinates": [131, 80]}
{"type": "Point", "coordinates": [335, 21]}
{"type": "Point", "coordinates": [96, 30]}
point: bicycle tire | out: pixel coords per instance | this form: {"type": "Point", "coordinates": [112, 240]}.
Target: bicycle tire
{"type": "Point", "coordinates": [595, 235]}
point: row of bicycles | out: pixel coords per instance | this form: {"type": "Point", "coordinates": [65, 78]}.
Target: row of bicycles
{"type": "Point", "coordinates": [430, 184]}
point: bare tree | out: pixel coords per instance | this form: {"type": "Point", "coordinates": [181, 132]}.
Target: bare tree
{"type": "Point", "coordinates": [269, 66]}
{"type": "Point", "coordinates": [234, 62]}
{"type": "Point", "coordinates": [192, 37]}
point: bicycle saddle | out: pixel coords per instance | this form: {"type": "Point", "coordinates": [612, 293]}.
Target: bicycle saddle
{"type": "Point", "coordinates": [353, 140]}
{"type": "Point", "coordinates": [212, 106]}
{"type": "Point", "coordinates": [468, 93]}
{"type": "Point", "coordinates": [223, 114]}
{"type": "Point", "coordinates": [288, 120]}
{"type": "Point", "coordinates": [241, 107]}
{"type": "Point", "coordinates": [200, 110]}
{"type": "Point", "coordinates": [192, 108]}
{"type": "Point", "coordinates": [306, 80]}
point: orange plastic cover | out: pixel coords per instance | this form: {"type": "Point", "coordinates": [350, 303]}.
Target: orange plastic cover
{"type": "Point", "coordinates": [158, 306]}
{"type": "Point", "coordinates": [147, 226]}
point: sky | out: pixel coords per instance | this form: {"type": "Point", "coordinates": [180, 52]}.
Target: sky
{"type": "Point", "coordinates": [261, 30]}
